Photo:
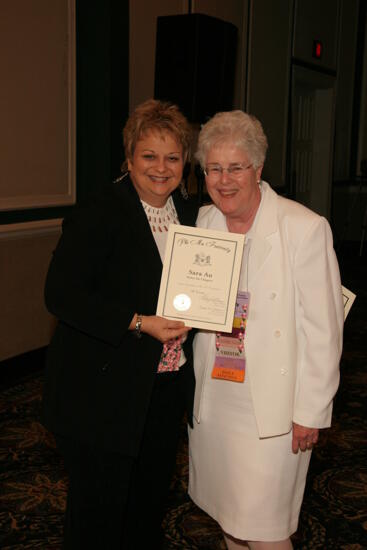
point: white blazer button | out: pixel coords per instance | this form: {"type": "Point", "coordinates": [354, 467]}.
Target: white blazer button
{"type": "Point", "coordinates": [283, 372]}
{"type": "Point", "coordinates": [277, 334]}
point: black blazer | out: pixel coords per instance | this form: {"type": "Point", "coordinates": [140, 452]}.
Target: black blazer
{"type": "Point", "coordinates": [99, 376]}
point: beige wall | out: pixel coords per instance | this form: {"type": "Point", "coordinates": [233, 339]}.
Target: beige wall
{"type": "Point", "coordinates": [37, 157]}
{"type": "Point", "coordinates": [25, 253]}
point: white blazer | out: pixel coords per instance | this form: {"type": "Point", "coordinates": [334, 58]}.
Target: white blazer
{"type": "Point", "coordinates": [294, 330]}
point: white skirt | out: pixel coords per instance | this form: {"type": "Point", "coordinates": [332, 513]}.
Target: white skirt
{"type": "Point", "coordinates": [252, 487]}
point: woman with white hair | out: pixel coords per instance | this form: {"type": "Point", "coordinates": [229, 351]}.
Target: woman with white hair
{"type": "Point", "coordinates": [264, 391]}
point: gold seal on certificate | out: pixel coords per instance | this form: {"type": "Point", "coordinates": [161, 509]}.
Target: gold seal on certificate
{"type": "Point", "coordinates": [200, 277]}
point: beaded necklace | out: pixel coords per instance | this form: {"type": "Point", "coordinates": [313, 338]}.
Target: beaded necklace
{"type": "Point", "coordinates": [160, 218]}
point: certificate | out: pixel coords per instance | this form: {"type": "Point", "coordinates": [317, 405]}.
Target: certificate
{"type": "Point", "coordinates": [200, 277]}
{"type": "Point", "coordinates": [348, 299]}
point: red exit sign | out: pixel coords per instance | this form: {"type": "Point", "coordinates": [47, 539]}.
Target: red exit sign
{"type": "Point", "coordinates": [317, 49]}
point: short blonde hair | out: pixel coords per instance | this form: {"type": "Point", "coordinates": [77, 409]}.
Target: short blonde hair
{"type": "Point", "coordinates": [236, 127]}
{"type": "Point", "coordinates": [157, 116]}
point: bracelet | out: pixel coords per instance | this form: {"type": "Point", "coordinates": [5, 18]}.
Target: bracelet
{"type": "Point", "coordinates": [137, 330]}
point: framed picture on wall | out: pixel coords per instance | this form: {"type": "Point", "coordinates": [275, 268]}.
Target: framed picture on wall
{"type": "Point", "coordinates": [37, 104]}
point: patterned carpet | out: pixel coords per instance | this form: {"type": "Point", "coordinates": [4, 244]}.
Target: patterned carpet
{"type": "Point", "coordinates": [334, 513]}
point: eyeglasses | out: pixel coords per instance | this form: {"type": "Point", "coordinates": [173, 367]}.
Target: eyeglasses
{"type": "Point", "coordinates": [215, 171]}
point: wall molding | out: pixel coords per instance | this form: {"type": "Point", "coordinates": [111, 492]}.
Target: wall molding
{"type": "Point", "coordinates": [30, 229]}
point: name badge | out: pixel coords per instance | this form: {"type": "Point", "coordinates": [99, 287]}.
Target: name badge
{"type": "Point", "coordinates": [230, 361]}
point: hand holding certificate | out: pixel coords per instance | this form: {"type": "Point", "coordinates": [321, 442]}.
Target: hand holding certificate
{"type": "Point", "coordinates": [200, 277]}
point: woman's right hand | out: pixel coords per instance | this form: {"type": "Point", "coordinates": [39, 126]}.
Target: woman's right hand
{"type": "Point", "coordinates": [160, 328]}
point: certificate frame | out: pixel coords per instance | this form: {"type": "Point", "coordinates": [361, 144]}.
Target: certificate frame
{"type": "Point", "coordinates": [42, 123]}
{"type": "Point", "coordinates": [200, 277]}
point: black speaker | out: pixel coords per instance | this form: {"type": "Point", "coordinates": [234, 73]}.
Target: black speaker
{"type": "Point", "coordinates": [195, 64]}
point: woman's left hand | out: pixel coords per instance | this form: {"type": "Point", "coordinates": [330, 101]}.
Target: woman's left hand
{"type": "Point", "coordinates": [303, 438]}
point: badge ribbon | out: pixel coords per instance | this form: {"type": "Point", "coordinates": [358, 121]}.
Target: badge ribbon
{"type": "Point", "coordinates": [230, 359]}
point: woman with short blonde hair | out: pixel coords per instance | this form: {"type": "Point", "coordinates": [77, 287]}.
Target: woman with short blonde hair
{"type": "Point", "coordinates": [119, 378]}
